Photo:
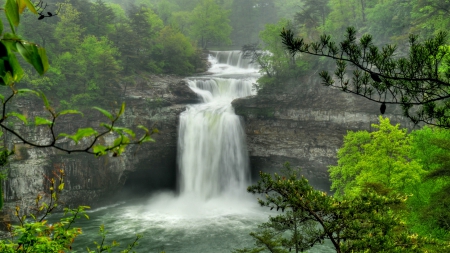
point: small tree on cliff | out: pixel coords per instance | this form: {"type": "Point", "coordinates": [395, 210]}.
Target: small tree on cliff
{"type": "Point", "coordinates": [382, 157]}
{"type": "Point", "coordinates": [419, 81]}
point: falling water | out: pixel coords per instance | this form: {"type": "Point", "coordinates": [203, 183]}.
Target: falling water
{"type": "Point", "coordinates": [212, 152]}
{"type": "Point", "coordinates": [212, 212]}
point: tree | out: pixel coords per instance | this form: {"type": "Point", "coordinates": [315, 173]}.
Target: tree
{"type": "Point", "coordinates": [312, 15]}
{"type": "Point", "coordinates": [68, 30]}
{"type": "Point", "coordinates": [11, 73]}
{"type": "Point", "coordinates": [382, 157]}
{"type": "Point", "coordinates": [210, 23]}
{"type": "Point", "coordinates": [104, 18]}
{"type": "Point", "coordinates": [418, 81]}
{"type": "Point", "coordinates": [274, 60]}
{"type": "Point", "coordinates": [145, 26]}
{"type": "Point", "coordinates": [364, 223]}
{"type": "Point", "coordinates": [175, 53]}
{"type": "Point", "coordinates": [431, 16]}
{"type": "Point", "coordinates": [34, 234]}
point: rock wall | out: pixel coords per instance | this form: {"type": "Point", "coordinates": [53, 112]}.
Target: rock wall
{"type": "Point", "coordinates": [153, 102]}
{"type": "Point", "coordinates": [303, 122]}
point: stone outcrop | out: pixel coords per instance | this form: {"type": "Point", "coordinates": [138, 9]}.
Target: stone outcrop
{"type": "Point", "coordinates": [304, 123]}
{"type": "Point", "coordinates": [153, 102]}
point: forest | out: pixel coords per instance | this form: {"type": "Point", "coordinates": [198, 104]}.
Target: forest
{"type": "Point", "coordinates": [389, 188]}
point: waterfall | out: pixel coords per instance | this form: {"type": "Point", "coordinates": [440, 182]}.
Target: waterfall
{"type": "Point", "coordinates": [212, 153]}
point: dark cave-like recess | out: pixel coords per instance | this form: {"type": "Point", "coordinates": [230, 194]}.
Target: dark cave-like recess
{"type": "Point", "coordinates": [152, 174]}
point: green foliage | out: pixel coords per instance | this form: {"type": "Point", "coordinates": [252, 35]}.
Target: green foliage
{"type": "Point", "coordinates": [274, 60]}
{"type": "Point", "coordinates": [391, 161]}
{"type": "Point", "coordinates": [176, 52]}
{"type": "Point", "coordinates": [96, 47]}
{"type": "Point", "coordinates": [210, 23]}
{"type": "Point", "coordinates": [414, 81]}
{"type": "Point", "coordinates": [381, 157]}
{"type": "Point", "coordinates": [366, 222]}
{"type": "Point", "coordinates": [35, 233]}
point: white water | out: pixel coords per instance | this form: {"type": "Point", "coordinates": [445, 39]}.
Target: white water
{"type": "Point", "coordinates": [212, 212]}
{"type": "Point", "coordinates": [213, 156]}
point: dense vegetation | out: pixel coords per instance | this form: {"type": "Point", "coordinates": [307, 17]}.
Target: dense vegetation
{"type": "Point", "coordinates": [391, 186]}
{"type": "Point", "coordinates": [97, 48]}
{"type": "Point", "coordinates": [408, 168]}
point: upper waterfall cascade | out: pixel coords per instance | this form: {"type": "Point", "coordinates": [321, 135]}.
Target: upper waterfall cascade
{"type": "Point", "coordinates": [212, 155]}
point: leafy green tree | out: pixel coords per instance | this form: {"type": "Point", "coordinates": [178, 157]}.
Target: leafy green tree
{"type": "Point", "coordinates": [68, 30]}
{"type": "Point", "coordinates": [146, 26]}
{"type": "Point", "coordinates": [165, 9]}
{"type": "Point", "coordinates": [34, 233]}
{"type": "Point", "coordinates": [364, 223]}
{"type": "Point", "coordinates": [390, 21]}
{"type": "Point", "coordinates": [312, 16]}
{"type": "Point", "coordinates": [210, 24]}
{"type": "Point", "coordinates": [380, 157]}
{"type": "Point", "coordinates": [430, 16]}
{"type": "Point", "coordinates": [417, 81]}
{"type": "Point", "coordinates": [12, 73]}
{"type": "Point", "coordinates": [176, 52]}
{"type": "Point", "coordinates": [180, 21]}
{"type": "Point", "coordinates": [104, 17]}
{"type": "Point", "coordinates": [274, 60]}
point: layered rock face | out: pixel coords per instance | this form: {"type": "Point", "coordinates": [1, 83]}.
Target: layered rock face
{"type": "Point", "coordinates": [304, 124]}
{"type": "Point", "coordinates": [156, 102]}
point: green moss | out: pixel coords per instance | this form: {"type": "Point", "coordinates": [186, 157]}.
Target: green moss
{"type": "Point", "coordinates": [251, 112]}
{"type": "Point", "coordinates": [157, 103]}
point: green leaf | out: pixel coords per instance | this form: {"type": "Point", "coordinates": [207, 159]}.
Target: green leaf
{"type": "Point", "coordinates": [146, 138]}
{"type": "Point", "coordinates": [42, 121]}
{"type": "Point", "coordinates": [7, 78]}
{"type": "Point", "coordinates": [106, 113]}
{"type": "Point", "coordinates": [124, 130]}
{"type": "Point", "coordinates": [69, 112]}
{"type": "Point", "coordinates": [18, 115]}
{"type": "Point", "coordinates": [31, 53]}
{"type": "Point", "coordinates": [27, 3]}
{"type": "Point", "coordinates": [1, 26]}
{"type": "Point", "coordinates": [144, 128]}
{"type": "Point", "coordinates": [122, 109]}
{"type": "Point", "coordinates": [99, 150]}
{"type": "Point", "coordinates": [107, 126]}
{"type": "Point", "coordinates": [82, 133]}
{"type": "Point", "coordinates": [17, 71]}
{"type": "Point", "coordinates": [2, 98]}
{"type": "Point", "coordinates": [9, 64]}
{"type": "Point", "coordinates": [22, 91]}
{"type": "Point", "coordinates": [44, 59]}
{"type": "Point", "coordinates": [46, 103]}
{"type": "Point", "coordinates": [12, 13]}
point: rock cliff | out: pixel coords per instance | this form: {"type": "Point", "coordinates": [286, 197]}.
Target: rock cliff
{"type": "Point", "coordinates": [154, 102]}
{"type": "Point", "coordinates": [303, 122]}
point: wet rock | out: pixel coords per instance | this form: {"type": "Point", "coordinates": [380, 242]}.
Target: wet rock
{"type": "Point", "coordinates": [154, 101]}
{"type": "Point", "coordinates": [304, 123]}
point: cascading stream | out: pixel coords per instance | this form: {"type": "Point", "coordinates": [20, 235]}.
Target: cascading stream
{"type": "Point", "coordinates": [213, 213]}
{"type": "Point", "coordinates": [212, 153]}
